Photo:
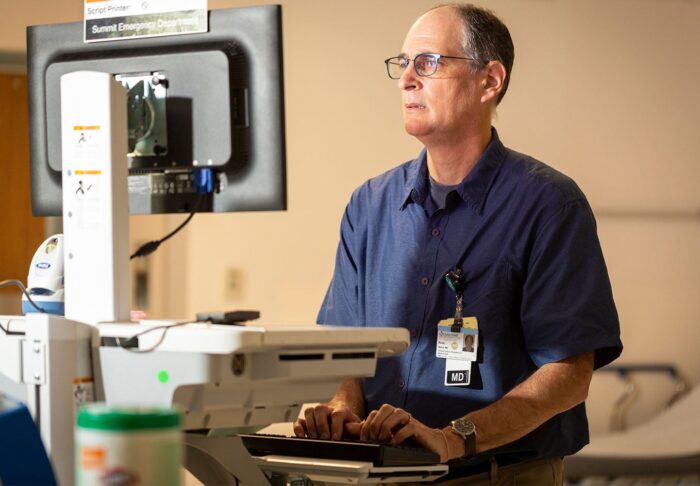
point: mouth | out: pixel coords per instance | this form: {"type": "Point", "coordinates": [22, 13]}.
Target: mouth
{"type": "Point", "coordinates": [414, 106]}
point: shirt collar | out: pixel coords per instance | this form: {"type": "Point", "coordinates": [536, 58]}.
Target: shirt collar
{"type": "Point", "coordinates": [473, 189]}
{"type": "Point", "coordinates": [417, 186]}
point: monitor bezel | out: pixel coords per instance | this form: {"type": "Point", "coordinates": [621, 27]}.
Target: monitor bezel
{"type": "Point", "coordinates": [260, 185]}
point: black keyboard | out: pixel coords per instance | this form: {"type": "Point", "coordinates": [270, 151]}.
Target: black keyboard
{"type": "Point", "coordinates": [378, 454]}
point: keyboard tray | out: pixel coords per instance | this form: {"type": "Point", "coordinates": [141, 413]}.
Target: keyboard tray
{"type": "Point", "coordinates": [380, 455]}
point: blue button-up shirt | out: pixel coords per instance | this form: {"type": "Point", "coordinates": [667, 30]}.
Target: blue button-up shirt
{"type": "Point", "coordinates": [525, 239]}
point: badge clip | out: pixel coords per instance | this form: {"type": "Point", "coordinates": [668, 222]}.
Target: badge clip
{"type": "Point", "coordinates": [456, 283]}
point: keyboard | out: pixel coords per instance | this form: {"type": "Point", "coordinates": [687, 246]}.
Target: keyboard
{"type": "Point", "coordinates": [380, 455]}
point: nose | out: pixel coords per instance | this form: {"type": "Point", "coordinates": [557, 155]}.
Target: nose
{"type": "Point", "coordinates": [409, 80]}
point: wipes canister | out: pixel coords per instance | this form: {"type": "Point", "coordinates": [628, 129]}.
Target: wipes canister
{"type": "Point", "coordinates": [120, 446]}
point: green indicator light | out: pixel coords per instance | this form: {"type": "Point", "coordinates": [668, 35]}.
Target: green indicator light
{"type": "Point", "coordinates": [163, 376]}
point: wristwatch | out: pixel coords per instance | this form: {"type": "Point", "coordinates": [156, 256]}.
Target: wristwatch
{"type": "Point", "coordinates": [467, 431]}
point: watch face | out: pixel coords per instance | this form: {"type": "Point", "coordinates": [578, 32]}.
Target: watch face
{"type": "Point", "coordinates": [464, 426]}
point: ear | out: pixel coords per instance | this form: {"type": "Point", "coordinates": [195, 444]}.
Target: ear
{"type": "Point", "coordinates": [492, 83]}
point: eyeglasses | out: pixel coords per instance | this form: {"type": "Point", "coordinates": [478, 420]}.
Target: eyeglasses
{"type": "Point", "coordinates": [424, 64]}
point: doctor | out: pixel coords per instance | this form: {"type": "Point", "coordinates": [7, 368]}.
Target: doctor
{"type": "Point", "coordinates": [470, 234]}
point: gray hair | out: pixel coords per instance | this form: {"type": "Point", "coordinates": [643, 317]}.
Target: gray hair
{"type": "Point", "coordinates": [485, 38]}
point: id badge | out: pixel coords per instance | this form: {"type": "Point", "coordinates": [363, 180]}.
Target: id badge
{"type": "Point", "coordinates": [457, 372]}
{"type": "Point", "coordinates": [461, 345]}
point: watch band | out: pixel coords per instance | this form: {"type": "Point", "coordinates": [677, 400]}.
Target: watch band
{"type": "Point", "coordinates": [467, 431]}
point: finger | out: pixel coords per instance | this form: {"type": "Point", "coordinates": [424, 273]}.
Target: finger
{"type": "Point", "coordinates": [310, 422]}
{"type": "Point", "coordinates": [404, 433]}
{"type": "Point", "coordinates": [393, 422]}
{"type": "Point", "coordinates": [338, 418]}
{"type": "Point", "coordinates": [364, 433]}
{"type": "Point", "coordinates": [337, 421]}
{"type": "Point", "coordinates": [300, 428]}
{"type": "Point", "coordinates": [322, 414]}
{"type": "Point", "coordinates": [353, 429]}
{"type": "Point", "coordinates": [375, 429]}
{"type": "Point", "coordinates": [381, 429]}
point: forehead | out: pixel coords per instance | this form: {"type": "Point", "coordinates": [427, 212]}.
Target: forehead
{"type": "Point", "coordinates": [438, 30]}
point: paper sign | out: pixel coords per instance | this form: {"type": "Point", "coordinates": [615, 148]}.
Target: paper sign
{"type": "Point", "coordinates": [107, 20]}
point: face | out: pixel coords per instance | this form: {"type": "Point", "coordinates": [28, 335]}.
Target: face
{"type": "Point", "coordinates": [446, 104]}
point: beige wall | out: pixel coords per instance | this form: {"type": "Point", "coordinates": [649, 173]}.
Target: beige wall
{"type": "Point", "coordinates": [604, 90]}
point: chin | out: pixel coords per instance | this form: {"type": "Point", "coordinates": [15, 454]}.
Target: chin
{"type": "Point", "coordinates": [415, 129]}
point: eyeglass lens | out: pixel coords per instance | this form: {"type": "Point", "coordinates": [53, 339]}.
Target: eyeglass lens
{"type": "Point", "coordinates": [424, 64]}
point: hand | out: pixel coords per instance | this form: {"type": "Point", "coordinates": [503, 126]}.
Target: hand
{"type": "Point", "coordinates": [395, 425]}
{"type": "Point", "coordinates": [325, 421]}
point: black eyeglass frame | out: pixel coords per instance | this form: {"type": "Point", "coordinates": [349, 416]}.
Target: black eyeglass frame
{"type": "Point", "coordinates": [436, 57]}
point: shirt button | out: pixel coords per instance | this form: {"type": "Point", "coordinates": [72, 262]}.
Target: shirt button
{"type": "Point", "coordinates": [402, 383]}
{"type": "Point", "coordinates": [413, 333]}
{"type": "Point", "coordinates": [436, 232]}
{"type": "Point", "coordinates": [424, 281]}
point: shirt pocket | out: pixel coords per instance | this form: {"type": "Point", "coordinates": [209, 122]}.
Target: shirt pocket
{"type": "Point", "coordinates": [496, 305]}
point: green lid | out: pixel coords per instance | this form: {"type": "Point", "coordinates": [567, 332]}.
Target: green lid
{"type": "Point", "coordinates": [103, 417]}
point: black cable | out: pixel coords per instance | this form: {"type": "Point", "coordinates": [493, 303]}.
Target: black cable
{"type": "Point", "coordinates": [165, 328]}
{"type": "Point", "coordinates": [8, 332]}
{"type": "Point", "coordinates": [18, 283]}
{"type": "Point", "coordinates": [148, 248]}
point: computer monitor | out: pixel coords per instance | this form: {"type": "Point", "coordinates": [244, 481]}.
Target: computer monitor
{"type": "Point", "coordinates": [212, 101]}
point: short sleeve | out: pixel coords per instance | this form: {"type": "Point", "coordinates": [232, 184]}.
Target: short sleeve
{"type": "Point", "coordinates": [341, 305]}
{"type": "Point", "coordinates": [567, 304]}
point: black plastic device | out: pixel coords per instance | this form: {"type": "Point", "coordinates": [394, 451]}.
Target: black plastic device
{"type": "Point", "coordinates": [230, 317]}
{"type": "Point", "coordinates": [380, 455]}
{"type": "Point", "coordinates": [211, 100]}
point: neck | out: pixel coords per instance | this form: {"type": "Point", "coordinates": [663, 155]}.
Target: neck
{"type": "Point", "coordinates": [450, 162]}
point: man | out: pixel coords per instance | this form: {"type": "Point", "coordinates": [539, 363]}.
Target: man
{"type": "Point", "coordinates": [473, 226]}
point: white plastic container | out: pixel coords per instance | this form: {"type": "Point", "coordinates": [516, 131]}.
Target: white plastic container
{"type": "Point", "coordinates": [128, 446]}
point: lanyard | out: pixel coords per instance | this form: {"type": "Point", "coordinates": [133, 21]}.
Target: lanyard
{"type": "Point", "coordinates": [456, 282]}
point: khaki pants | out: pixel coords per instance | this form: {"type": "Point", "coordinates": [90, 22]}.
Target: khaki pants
{"type": "Point", "coordinates": [542, 472]}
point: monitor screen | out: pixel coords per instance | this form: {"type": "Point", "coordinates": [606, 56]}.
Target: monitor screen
{"type": "Point", "coordinates": [210, 102]}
